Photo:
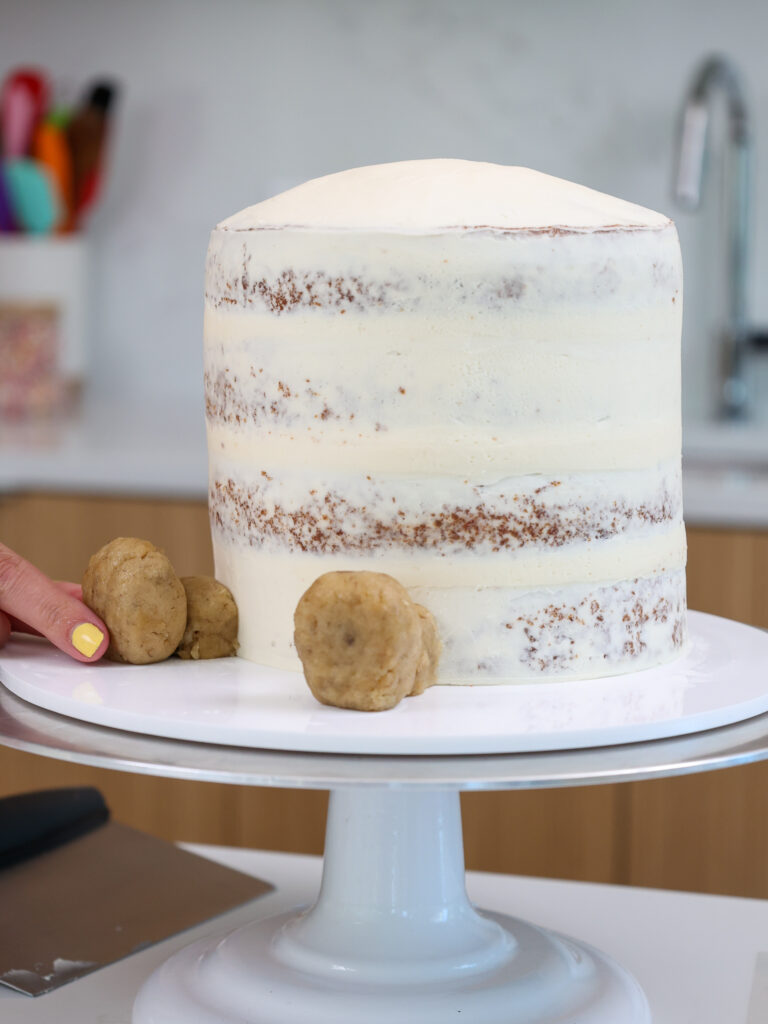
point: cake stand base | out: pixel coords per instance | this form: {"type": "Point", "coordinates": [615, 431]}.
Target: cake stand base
{"type": "Point", "coordinates": [392, 937]}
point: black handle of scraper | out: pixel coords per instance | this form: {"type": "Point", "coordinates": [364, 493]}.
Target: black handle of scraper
{"type": "Point", "coordinates": [31, 823]}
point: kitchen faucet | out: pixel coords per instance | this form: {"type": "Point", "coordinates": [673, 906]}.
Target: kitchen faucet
{"type": "Point", "coordinates": [718, 73]}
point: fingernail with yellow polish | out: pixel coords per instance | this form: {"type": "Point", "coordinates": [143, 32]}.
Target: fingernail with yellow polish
{"type": "Point", "coordinates": [86, 638]}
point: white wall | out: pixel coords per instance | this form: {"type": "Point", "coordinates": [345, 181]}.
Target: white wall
{"type": "Point", "coordinates": [228, 101]}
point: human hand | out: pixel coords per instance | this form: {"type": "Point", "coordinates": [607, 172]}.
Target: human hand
{"type": "Point", "coordinates": [32, 603]}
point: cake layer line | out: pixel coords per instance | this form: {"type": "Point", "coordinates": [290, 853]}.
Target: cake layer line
{"type": "Point", "coordinates": [459, 451]}
{"type": "Point", "coordinates": [282, 273]}
{"type": "Point", "coordinates": [314, 512]}
{"type": "Point", "coordinates": [230, 325]}
{"type": "Point", "coordinates": [491, 633]}
{"type": "Point", "coordinates": [597, 562]}
{"type": "Point", "coordinates": [388, 381]}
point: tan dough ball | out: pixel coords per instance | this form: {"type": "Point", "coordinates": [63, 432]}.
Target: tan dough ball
{"type": "Point", "coordinates": [211, 630]}
{"type": "Point", "coordinates": [426, 668]}
{"type": "Point", "coordinates": [132, 586]}
{"type": "Point", "coordinates": [358, 635]}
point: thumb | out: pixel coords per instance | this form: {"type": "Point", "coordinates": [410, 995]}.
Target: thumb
{"type": "Point", "coordinates": [28, 595]}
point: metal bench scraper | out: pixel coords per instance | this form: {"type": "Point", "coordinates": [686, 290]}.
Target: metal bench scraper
{"type": "Point", "coordinates": [78, 891]}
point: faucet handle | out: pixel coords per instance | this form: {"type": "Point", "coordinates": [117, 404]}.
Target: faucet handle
{"type": "Point", "coordinates": [690, 165]}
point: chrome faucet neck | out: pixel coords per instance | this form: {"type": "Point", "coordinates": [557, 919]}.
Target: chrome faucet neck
{"type": "Point", "coordinates": [717, 74]}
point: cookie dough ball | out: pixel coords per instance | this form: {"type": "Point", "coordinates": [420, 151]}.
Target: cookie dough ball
{"type": "Point", "coordinates": [211, 630]}
{"type": "Point", "coordinates": [358, 635]}
{"type": "Point", "coordinates": [426, 668]}
{"type": "Point", "coordinates": [132, 586]}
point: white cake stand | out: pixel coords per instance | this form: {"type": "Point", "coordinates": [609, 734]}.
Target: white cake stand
{"type": "Point", "coordinates": [392, 936]}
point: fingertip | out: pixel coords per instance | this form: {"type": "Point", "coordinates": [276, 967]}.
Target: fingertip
{"type": "Point", "coordinates": [90, 640]}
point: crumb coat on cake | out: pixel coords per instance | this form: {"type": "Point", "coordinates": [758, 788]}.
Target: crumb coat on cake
{"type": "Point", "coordinates": [466, 376]}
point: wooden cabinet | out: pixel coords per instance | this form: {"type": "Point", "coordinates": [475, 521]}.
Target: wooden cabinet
{"type": "Point", "coordinates": [704, 832]}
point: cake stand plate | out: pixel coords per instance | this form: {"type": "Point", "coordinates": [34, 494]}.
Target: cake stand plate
{"type": "Point", "coordinates": [719, 680]}
{"type": "Point", "coordinates": [392, 936]}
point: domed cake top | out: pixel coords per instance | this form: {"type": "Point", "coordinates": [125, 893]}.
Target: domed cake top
{"type": "Point", "coordinates": [422, 196]}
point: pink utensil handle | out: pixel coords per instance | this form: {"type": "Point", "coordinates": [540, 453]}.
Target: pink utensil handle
{"type": "Point", "coordinates": [18, 113]}
{"type": "Point", "coordinates": [36, 82]}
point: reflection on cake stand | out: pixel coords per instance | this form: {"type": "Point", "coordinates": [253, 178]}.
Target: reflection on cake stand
{"type": "Point", "coordinates": [392, 935]}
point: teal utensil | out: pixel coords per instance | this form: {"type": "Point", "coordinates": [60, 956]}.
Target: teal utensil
{"type": "Point", "coordinates": [32, 196]}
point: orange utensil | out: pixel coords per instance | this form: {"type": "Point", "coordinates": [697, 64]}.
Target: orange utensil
{"type": "Point", "coordinates": [50, 148]}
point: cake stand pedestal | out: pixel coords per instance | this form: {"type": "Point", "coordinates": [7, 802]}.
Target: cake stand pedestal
{"type": "Point", "coordinates": [392, 936]}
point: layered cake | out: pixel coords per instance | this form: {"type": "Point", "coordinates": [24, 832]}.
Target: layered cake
{"type": "Point", "coordinates": [466, 376]}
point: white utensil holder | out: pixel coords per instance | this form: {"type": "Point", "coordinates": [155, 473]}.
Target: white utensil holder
{"type": "Point", "coordinates": [43, 324]}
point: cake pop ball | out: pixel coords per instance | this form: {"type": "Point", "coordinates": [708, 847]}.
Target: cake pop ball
{"type": "Point", "coordinates": [359, 637]}
{"type": "Point", "coordinates": [426, 668]}
{"type": "Point", "coordinates": [211, 629]}
{"type": "Point", "coordinates": [131, 585]}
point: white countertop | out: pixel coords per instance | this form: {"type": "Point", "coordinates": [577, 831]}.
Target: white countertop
{"type": "Point", "coordinates": [700, 959]}
{"type": "Point", "coordinates": [725, 474]}
{"type": "Point", "coordinates": [151, 450]}
{"type": "Point", "coordinates": [161, 451]}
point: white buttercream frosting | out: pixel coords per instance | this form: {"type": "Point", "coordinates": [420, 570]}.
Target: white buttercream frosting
{"type": "Point", "coordinates": [464, 375]}
{"type": "Point", "coordinates": [426, 195]}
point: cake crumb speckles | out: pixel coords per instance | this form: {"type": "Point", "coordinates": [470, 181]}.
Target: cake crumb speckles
{"type": "Point", "coordinates": [266, 401]}
{"type": "Point", "coordinates": [579, 630]}
{"type": "Point", "coordinates": [622, 620]}
{"type": "Point", "coordinates": [329, 523]}
{"type": "Point", "coordinates": [289, 292]}
{"type": "Point", "coordinates": [461, 271]}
